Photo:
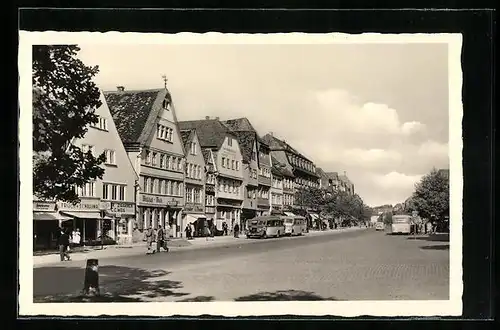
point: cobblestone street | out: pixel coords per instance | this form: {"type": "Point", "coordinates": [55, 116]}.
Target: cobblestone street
{"type": "Point", "coordinates": [358, 265]}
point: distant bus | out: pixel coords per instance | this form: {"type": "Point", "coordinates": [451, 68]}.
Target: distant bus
{"type": "Point", "coordinates": [266, 226]}
{"type": "Point", "coordinates": [401, 224]}
{"type": "Point", "coordinates": [295, 225]}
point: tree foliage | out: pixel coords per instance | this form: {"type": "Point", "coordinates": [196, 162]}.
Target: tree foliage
{"type": "Point", "coordinates": [334, 205]}
{"type": "Point", "coordinates": [64, 102]}
{"type": "Point", "coordinates": [432, 195]}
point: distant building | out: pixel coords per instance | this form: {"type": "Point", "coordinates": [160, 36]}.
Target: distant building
{"type": "Point", "coordinates": [243, 125]}
{"type": "Point", "coordinates": [348, 186]}
{"type": "Point", "coordinates": [277, 187]}
{"type": "Point", "coordinates": [224, 146]}
{"type": "Point", "coordinates": [195, 178]}
{"type": "Point", "coordinates": [303, 170]}
{"type": "Point", "coordinates": [444, 172]}
{"type": "Point", "coordinates": [147, 123]}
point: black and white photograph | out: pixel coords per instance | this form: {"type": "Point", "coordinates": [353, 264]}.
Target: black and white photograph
{"type": "Point", "coordinates": [221, 173]}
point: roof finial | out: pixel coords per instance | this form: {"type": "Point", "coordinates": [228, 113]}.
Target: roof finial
{"type": "Point", "coordinates": [165, 80]}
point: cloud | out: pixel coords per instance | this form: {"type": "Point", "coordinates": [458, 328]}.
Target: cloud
{"type": "Point", "coordinates": [396, 180]}
{"type": "Point", "coordinates": [412, 127]}
{"type": "Point", "coordinates": [433, 149]}
{"type": "Point", "coordinates": [373, 157]}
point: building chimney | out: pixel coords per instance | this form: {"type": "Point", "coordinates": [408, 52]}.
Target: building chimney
{"type": "Point", "coordinates": [120, 88]}
{"type": "Point", "coordinates": [207, 117]}
{"type": "Point", "coordinates": [216, 118]}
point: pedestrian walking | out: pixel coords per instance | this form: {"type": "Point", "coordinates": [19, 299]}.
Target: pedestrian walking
{"type": "Point", "coordinates": [160, 240]}
{"type": "Point", "coordinates": [193, 230]}
{"type": "Point", "coordinates": [429, 227]}
{"type": "Point", "coordinates": [149, 239]}
{"type": "Point", "coordinates": [224, 228]}
{"type": "Point", "coordinates": [77, 238]}
{"type": "Point", "coordinates": [188, 231]}
{"type": "Point", "coordinates": [212, 230]}
{"type": "Point", "coordinates": [236, 231]}
{"type": "Point", "coordinates": [206, 232]}
{"type": "Point", "coordinates": [63, 243]}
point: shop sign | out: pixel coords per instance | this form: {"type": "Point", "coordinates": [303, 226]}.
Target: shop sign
{"type": "Point", "coordinates": [84, 205]}
{"type": "Point", "coordinates": [158, 200]}
{"type": "Point", "coordinates": [119, 208]}
{"type": "Point", "coordinates": [193, 207]}
{"type": "Point", "coordinates": [44, 206]}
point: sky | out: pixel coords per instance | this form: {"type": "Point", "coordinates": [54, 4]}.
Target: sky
{"type": "Point", "coordinates": [379, 112]}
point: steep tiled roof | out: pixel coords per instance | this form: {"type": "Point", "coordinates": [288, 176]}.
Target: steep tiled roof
{"type": "Point", "coordinates": [207, 156]}
{"type": "Point", "coordinates": [321, 173]}
{"type": "Point", "coordinates": [333, 175]}
{"type": "Point", "coordinates": [277, 144]}
{"type": "Point", "coordinates": [134, 112]}
{"type": "Point", "coordinates": [281, 168]}
{"type": "Point", "coordinates": [211, 132]}
{"type": "Point", "coordinates": [239, 124]}
{"type": "Point", "coordinates": [246, 140]}
{"type": "Point", "coordinates": [186, 136]}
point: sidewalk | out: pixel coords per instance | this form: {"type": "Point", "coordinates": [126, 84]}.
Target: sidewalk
{"type": "Point", "coordinates": [176, 244]}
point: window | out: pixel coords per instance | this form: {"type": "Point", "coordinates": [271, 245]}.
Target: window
{"type": "Point", "coordinates": [179, 164]}
{"type": "Point", "coordinates": [193, 148]}
{"type": "Point", "coordinates": [230, 142]}
{"type": "Point", "coordinates": [197, 196]}
{"type": "Point", "coordinates": [233, 165]}
{"type": "Point", "coordinates": [174, 163]}
{"type": "Point", "coordinates": [154, 158]}
{"type": "Point", "coordinates": [223, 162]}
{"type": "Point", "coordinates": [168, 162]}
{"type": "Point", "coordinates": [199, 172]}
{"type": "Point", "coordinates": [179, 189]}
{"type": "Point", "coordinates": [188, 195]}
{"type": "Point", "coordinates": [110, 157]}
{"type": "Point", "coordinates": [102, 123]}
{"type": "Point", "coordinates": [174, 188]}
{"type": "Point", "coordinates": [162, 161]}
{"type": "Point", "coordinates": [148, 185]}
{"type": "Point", "coordinates": [237, 165]}
{"type": "Point", "coordinates": [87, 190]}
{"type": "Point", "coordinates": [147, 157]}
{"type": "Point", "coordinates": [114, 192]}
{"type": "Point", "coordinates": [169, 188]}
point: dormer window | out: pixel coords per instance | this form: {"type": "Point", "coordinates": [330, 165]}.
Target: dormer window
{"type": "Point", "coordinates": [166, 105]}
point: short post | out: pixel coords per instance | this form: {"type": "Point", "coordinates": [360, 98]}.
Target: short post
{"type": "Point", "coordinates": [91, 283]}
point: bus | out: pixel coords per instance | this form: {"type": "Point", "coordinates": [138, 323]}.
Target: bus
{"type": "Point", "coordinates": [401, 224]}
{"type": "Point", "coordinates": [295, 225]}
{"type": "Point", "coordinates": [266, 226]}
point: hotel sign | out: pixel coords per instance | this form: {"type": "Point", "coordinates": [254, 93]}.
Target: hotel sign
{"type": "Point", "coordinates": [44, 206]}
{"type": "Point", "coordinates": [84, 205]}
{"type": "Point", "coordinates": [159, 200]}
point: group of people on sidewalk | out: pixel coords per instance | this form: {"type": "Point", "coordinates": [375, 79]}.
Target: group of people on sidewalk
{"type": "Point", "coordinates": [67, 240]}
{"type": "Point", "coordinates": [159, 236]}
{"type": "Point", "coordinates": [210, 231]}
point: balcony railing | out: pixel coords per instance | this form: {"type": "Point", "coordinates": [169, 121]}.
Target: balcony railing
{"type": "Point", "coordinates": [264, 181]}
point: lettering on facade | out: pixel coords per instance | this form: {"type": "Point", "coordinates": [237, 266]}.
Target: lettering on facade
{"type": "Point", "coordinates": [159, 200]}
{"type": "Point", "coordinates": [119, 208]}
{"type": "Point", "coordinates": [44, 206]}
{"type": "Point", "coordinates": [85, 204]}
{"type": "Point", "coordinates": [193, 207]}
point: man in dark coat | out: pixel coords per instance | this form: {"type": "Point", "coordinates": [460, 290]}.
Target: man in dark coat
{"type": "Point", "coordinates": [63, 243]}
{"type": "Point", "coordinates": [160, 239]}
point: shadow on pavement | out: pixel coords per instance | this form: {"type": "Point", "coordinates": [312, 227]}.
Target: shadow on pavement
{"type": "Point", "coordinates": [198, 299]}
{"type": "Point", "coordinates": [433, 238]}
{"type": "Point", "coordinates": [436, 247]}
{"type": "Point", "coordinates": [283, 295]}
{"type": "Point", "coordinates": [117, 284]}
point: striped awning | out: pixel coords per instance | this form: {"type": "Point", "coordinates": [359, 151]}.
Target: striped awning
{"type": "Point", "coordinates": [86, 215]}
{"type": "Point", "coordinates": [289, 214]}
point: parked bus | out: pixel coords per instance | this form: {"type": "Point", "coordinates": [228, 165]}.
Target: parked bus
{"type": "Point", "coordinates": [401, 224]}
{"type": "Point", "coordinates": [295, 225]}
{"type": "Point", "coordinates": [266, 226]}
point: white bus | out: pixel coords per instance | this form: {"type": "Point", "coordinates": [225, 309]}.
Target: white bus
{"type": "Point", "coordinates": [401, 224]}
{"type": "Point", "coordinates": [295, 225]}
{"type": "Point", "coordinates": [266, 226]}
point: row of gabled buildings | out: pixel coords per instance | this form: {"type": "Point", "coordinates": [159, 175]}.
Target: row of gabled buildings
{"type": "Point", "coordinates": [161, 171]}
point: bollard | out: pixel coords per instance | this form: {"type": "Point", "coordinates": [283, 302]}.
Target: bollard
{"type": "Point", "coordinates": [91, 283]}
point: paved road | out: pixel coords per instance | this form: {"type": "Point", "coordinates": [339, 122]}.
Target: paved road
{"type": "Point", "coordinates": [360, 265]}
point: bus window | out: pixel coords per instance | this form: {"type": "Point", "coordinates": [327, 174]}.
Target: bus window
{"type": "Point", "coordinates": [288, 220]}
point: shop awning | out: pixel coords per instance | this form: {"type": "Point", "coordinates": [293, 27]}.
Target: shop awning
{"type": "Point", "coordinates": [195, 217]}
{"type": "Point", "coordinates": [86, 215]}
{"type": "Point", "coordinates": [39, 216]}
{"type": "Point", "coordinates": [289, 214]}
{"type": "Point", "coordinates": [314, 216]}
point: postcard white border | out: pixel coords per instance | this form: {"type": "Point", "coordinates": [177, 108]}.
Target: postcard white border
{"type": "Point", "coordinates": [451, 307]}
